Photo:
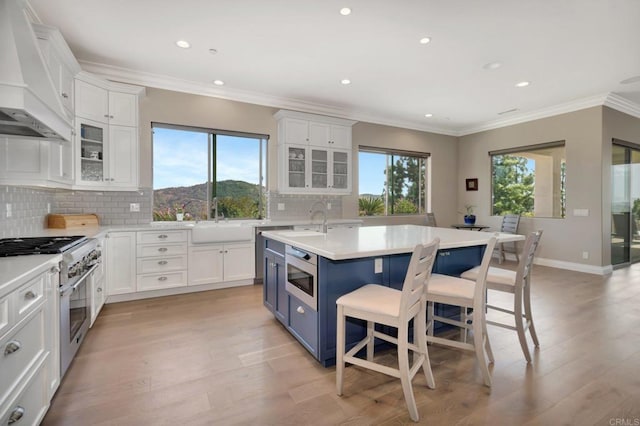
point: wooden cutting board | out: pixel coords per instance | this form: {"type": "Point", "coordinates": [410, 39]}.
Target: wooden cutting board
{"type": "Point", "coordinates": [72, 220]}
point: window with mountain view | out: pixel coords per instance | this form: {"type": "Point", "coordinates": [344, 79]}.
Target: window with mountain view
{"type": "Point", "coordinates": [529, 181]}
{"type": "Point", "coordinates": [391, 182]}
{"type": "Point", "coordinates": [195, 170]}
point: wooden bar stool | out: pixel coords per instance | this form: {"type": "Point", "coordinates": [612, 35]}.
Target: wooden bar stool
{"type": "Point", "coordinates": [518, 283]}
{"type": "Point", "coordinates": [465, 294]}
{"type": "Point", "coordinates": [378, 304]}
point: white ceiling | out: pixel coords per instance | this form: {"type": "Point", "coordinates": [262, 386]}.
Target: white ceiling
{"type": "Point", "coordinates": [293, 54]}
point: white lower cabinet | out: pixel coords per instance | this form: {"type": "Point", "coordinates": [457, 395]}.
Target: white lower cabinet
{"type": "Point", "coordinates": [29, 341]}
{"type": "Point", "coordinates": [161, 259]}
{"type": "Point", "coordinates": [121, 265]}
{"type": "Point", "coordinates": [214, 263]}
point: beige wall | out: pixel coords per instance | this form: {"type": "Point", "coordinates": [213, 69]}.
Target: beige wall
{"type": "Point", "coordinates": [444, 153]}
{"type": "Point", "coordinates": [563, 239]}
{"type": "Point", "coordinates": [186, 109]}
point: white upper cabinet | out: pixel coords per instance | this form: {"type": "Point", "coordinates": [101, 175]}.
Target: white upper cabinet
{"type": "Point", "coordinates": [314, 154]}
{"type": "Point", "coordinates": [92, 102]}
{"type": "Point", "coordinates": [123, 109]}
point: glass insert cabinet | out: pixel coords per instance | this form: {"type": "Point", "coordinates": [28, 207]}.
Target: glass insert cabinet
{"type": "Point", "coordinates": [317, 170]}
{"type": "Point", "coordinates": [92, 140]}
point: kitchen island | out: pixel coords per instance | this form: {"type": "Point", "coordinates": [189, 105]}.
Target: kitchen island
{"type": "Point", "coordinates": [348, 259]}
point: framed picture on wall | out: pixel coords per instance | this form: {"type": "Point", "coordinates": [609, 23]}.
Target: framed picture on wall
{"type": "Point", "coordinates": [472, 184]}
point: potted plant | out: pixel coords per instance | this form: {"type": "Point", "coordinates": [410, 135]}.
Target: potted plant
{"type": "Point", "coordinates": [180, 213]}
{"type": "Point", "coordinates": [469, 217]}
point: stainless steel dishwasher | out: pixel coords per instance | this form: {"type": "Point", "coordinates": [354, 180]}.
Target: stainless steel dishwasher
{"type": "Point", "coordinates": [260, 248]}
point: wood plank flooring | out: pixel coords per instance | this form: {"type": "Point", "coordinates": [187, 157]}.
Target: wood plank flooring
{"type": "Point", "coordinates": [220, 358]}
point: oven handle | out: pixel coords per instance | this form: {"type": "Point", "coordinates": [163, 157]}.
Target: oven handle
{"type": "Point", "coordinates": [72, 288]}
{"type": "Point", "coordinates": [299, 254]}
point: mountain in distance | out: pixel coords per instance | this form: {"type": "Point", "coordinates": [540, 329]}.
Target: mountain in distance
{"type": "Point", "coordinates": [194, 197]}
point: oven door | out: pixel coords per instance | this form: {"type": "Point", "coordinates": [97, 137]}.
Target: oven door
{"type": "Point", "coordinates": [74, 319]}
{"type": "Point", "coordinates": [302, 280]}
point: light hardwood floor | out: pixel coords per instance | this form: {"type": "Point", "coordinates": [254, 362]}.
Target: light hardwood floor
{"type": "Point", "coordinates": [220, 357]}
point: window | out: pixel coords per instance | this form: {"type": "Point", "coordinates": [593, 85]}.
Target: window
{"type": "Point", "coordinates": [196, 169]}
{"type": "Point", "coordinates": [391, 182]}
{"type": "Point", "coordinates": [529, 181]}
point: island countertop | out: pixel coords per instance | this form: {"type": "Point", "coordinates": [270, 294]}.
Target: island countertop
{"type": "Point", "coordinates": [367, 241]}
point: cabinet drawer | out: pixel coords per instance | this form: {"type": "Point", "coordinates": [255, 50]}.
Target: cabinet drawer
{"type": "Point", "coordinates": [169, 236]}
{"type": "Point", "coordinates": [6, 319]}
{"type": "Point", "coordinates": [28, 297]}
{"type": "Point", "coordinates": [150, 250]}
{"type": "Point", "coordinates": [30, 405]}
{"type": "Point", "coordinates": [161, 264]}
{"type": "Point", "coordinates": [160, 281]}
{"type": "Point", "coordinates": [303, 324]}
{"type": "Point", "coordinates": [19, 350]}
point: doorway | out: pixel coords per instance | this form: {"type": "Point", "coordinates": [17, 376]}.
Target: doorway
{"type": "Point", "coordinates": [625, 204]}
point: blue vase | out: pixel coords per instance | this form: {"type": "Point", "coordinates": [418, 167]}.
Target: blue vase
{"type": "Point", "coordinates": [470, 219]}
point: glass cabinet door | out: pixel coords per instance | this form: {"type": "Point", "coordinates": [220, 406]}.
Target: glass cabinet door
{"type": "Point", "coordinates": [340, 170]}
{"type": "Point", "coordinates": [92, 138]}
{"type": "Point", "coordinates": [296, 172]}
{"type": "Point", "coordinates": [319, 169]}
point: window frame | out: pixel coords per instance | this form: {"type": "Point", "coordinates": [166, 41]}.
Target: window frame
{"type": "Point", "coordinates": [212, 133]}
{"type": "Point", "coordinates": [514, 151]}
{"type": "Point", "coordinates": [424, 196]}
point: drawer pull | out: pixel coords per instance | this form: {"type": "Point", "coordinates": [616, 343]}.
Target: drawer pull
{"type": "Point", "coordinates": [12, 346]}
{"type": "Point", "coordinates": [162, 249]}
{"type": "Point", "coordinates": [300, 310]}
{"type": "Point", "coordinates": [30, 295]}
{"type": "Point", "coordinates": [16, 415]}
{"type": "Point", "coordinates": [162, 262]}
{"type": "Point", "coordinates": [162, 278]}
{"type": "Point", "coordinates": [99, 289]}
{"type": "Point", "coordinates": [163, 236]}
{"type": "Point", "coordinates": [54, 270]}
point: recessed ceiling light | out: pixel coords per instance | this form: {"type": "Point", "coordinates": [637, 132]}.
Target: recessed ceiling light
{"type": "Point", "coordinates": [183, 44]}
{"type": "Point", "coordinates": [345, 81]}
{"type": "Point", "coordinates": [631, 80]}
{"type": "Point", "coordinates": [428, 115]}
{"type": "Point", "coordinates": [213, 51]}
{"type": "Point", "coordinates": [345, 11]}
{"type": "Point", "coordinates": [218, 82]}
{"type": "Point", "coordinates": [523, 84]}
{"type": "Point", "coordinates": [425, 40]}
{"type": "Point", "coordinates": [492, 65]}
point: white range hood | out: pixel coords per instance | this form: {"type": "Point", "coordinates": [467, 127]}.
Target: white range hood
{"type": "Point", "coordinates": [29, 102]}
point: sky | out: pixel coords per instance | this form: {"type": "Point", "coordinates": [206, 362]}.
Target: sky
{"type": "Point", "coordinates": [180, 158]}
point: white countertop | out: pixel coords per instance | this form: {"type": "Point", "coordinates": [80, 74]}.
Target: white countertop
{"type": "Point", "coordinates": [15, 270]}
{"type": "Point", "coordinates": [366, 241]}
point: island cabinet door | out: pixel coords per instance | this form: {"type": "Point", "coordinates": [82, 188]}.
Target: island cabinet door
{"type": "Point", "coordinates": [270, 281]}
{"type": "Point", "coordinates": [336, 278]}
{"type": "Point", "coordinates": [303, 324]}
{"type": "Point", "coordinates": [282, 297]}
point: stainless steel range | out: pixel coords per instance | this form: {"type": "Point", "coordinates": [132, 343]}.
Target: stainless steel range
{"type": "Point", "coordinates": [80, 256]}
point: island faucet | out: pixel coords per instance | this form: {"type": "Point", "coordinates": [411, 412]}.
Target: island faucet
{"type": "Point", "coordinates": [312, 211]}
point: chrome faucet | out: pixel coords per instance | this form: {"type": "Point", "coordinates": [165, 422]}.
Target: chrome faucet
{"type": "Point", "coordinates": [312, 211]}
{"type": "Point", "coordinates": [215, 210]}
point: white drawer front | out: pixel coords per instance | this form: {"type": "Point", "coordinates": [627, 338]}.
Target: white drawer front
{"type": "Point", "coordinates": [155, 237]}
{"type": "Point", "coordinates": [28, 297]}
{"type": "Point", "coordinates": [161, 250]}
{"type": "Point", "coordinates": [161, 264]}
{"type": "Point", "coordinates": [30, 405]}
{"type": "Point", "coordinates": [160, 281]}
{"type": "Point", "coordinates": [6, 319]}
{"type": "Point", "coordinates": [19, 350]}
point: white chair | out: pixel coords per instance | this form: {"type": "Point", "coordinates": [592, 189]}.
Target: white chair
{"type": "Point", "coordinates": [518, 283]}
{"type": "Point", "coordinates": [465, 294]}
{"type": "Point", "coordinates": [383, 305]}
{"type": "Point", "coordinates": [510, 223]}
{"type": "Point", "coordinates": [430, 219]}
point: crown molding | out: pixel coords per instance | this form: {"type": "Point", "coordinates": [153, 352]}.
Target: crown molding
{"type": "Point", "coordinates": [125, 75]}
{"type": "Point", "coordinates": [158, 81]}
{"type": "Point", "coordinates": [617, 102]}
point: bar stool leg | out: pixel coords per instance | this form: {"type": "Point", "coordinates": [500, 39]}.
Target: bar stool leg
{"type": "Point", "coordinates": [340, 345]}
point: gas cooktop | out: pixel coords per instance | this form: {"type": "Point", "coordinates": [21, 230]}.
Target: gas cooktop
{"type": "Point", "coordinates": [38, 245]}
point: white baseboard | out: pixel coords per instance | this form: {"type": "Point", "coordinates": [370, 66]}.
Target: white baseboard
{"type": "Point", "coordinates": [177, 290]}
{"type": "Point", "coordinates": [579, 267]}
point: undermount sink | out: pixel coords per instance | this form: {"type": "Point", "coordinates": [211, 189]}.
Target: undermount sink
{"type": "Point", "coordinates": [212, 232]}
